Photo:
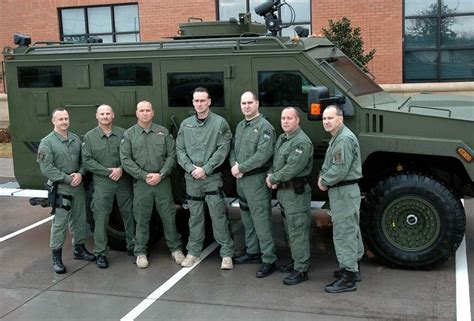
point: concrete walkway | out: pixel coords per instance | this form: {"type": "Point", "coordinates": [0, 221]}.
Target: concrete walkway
{"type": "Point", "coordinates": [6, 167]}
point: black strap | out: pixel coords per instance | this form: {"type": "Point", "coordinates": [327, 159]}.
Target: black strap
{"type": "Point", "coordinates": [345, 183]}
{"type": "Point", "coordinates": [195, 198]}
{"type": "Point", "coordinates": [256, 171]}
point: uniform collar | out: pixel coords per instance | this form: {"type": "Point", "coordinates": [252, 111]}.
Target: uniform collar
{"type": "Point", "coordinates": [102, 134]}
{"type": "Point", "coordinates": [153, 128]}
{"type": "Point", "coordinates": [293, 134]}
{"type": "Point", "coordinates": [62, 138]}
{"type": "Point", "coordinates": [253, 120]}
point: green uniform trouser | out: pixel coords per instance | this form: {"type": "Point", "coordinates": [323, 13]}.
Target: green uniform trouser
{"type": "Point", "coordinates": [102, 204]}
{"type": "Point", "coordinates": [209, 190]}
{"type": "Point", "coordinates": [345, 204]}
{"type": "Point", "coordinates": [255, 211]}
{"type": "Point", "coordinates": [297, 209]}
{"type": "Point", "coordinates": [74, 218]}
{"type": "Point", "coordinates": [144, 197]}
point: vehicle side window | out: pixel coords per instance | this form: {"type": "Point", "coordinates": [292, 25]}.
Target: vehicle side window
{"type": "Point", "coordinates": [39, 77]}
{"type": "Point", "coordinates": [283, 88]}
{"type": "Point", "coordinates": [128, 75]}
{"type": "Point", "coordinates": [182, 84]}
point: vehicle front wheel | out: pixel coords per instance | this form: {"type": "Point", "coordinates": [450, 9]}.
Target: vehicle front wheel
{"type": "Point", "coordinates": [413, 221]}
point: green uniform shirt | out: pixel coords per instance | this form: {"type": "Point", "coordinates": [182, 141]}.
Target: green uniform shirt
{"type": "Point", "coordinates": [101, 152]}
{"type": "Point", "coordinates": [144, 151]}
{"type": "Point", "coordinates": [342, 160]}
{"type": "Point", "coordinates": [58, 157]}
{"type": "Point", "coordinates": [253, 144]}
{"type": "Point", "coordinates": [203, 143]}
{"type": "Point", "coordinates": [293, 157]}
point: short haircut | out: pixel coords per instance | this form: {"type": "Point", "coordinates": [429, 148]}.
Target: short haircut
{"type": "Point", "coordinates": [145, 102]}
{"type": "Point", "coordinates": [56, 110]}
{"type": "Point", "coordinates": [202, 90]}
{"type": "Point", "coordinates": [254, 96]}
{"type": "Point", "coordinates": [297, 113]}
{"type": "Point", "coordinates": [104, 105]}
{"type": "Point", "coordinates": [337, 108]}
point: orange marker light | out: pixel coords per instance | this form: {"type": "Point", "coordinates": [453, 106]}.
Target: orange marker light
{"type": "Point", "coordinates": [464, 154]}
{"type": "Point", "coordinates": [315, 109]}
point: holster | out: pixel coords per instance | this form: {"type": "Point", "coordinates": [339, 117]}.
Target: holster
{"type": "Point", "coordinates": [52, 196]}
{"type": "Point", "coordinates": [299, 184]}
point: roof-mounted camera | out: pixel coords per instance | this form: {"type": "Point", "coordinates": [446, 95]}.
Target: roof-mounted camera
{"type": "Point", "coordinates": [267, 10]}
{"type": "Point", "coordinates": [21, 40]}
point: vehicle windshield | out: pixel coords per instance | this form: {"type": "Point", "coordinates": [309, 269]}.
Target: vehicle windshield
{"type": "Point", "coordinates": [350, 76]}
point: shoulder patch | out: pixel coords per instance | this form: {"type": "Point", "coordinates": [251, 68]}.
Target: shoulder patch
{"type": "Point", "coordinates": [338, 157]}
{"type": "Point", "coordinates": [267, 134]}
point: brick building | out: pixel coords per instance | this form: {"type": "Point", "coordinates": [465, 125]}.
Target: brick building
{"type": "Point", "coordinates": [384, 25]}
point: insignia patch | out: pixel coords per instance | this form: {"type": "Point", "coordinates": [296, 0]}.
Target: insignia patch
{"type": "Point", "coordinates": [338, 157]}
{"type": "Point", "coordinates": [255, 130]}
{"type": "Point", "coordinates": [160, 133]}
{"type": "Point", "coordinates": [298, 151]}
{"type": "Point", "coordinates": [266, 136]}
{"type": "Point", "coordinates": [122, 141]}
{"type": "Point", "coordinates": [40, 157]}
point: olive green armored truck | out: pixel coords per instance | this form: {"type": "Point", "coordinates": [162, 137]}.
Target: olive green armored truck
{"type": "Point", "coordinates": [416, 151]}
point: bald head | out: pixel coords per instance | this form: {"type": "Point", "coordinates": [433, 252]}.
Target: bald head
{"type": "Point", "coordinates": [105, 116]}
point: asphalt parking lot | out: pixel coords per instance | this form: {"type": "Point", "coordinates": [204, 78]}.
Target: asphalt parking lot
{"type": "Point", "coordinates": [30, 290]}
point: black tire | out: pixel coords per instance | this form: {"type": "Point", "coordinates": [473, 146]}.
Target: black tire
{"type": "Point", "coordinates": [412, 221]}
{"type": "Point", "coordinates": [116, 230]}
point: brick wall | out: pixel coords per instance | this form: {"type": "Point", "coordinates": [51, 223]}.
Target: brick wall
{"type": "Point", "coordinates": [381, 25]}
{"type": "Point", "coordinates": [380, 22]}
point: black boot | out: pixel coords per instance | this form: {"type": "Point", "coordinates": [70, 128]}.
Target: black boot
{"type": "Point", "coordinates": [247, 258]}
{"type": "Point", "coordinates": [102, 262]}
{"type": "Point", "coordinates": [345, 283]}
{"type": "Point", "coordinates": [81, 253]}
{"type": "Point", "coordinates": [295, 277]}
{"type": "Point", "coordinates": [287, 268]}
{"type": "Point", "coordinates": [58, 265]}
{"type": "Point", "coordinates": [358, 275]}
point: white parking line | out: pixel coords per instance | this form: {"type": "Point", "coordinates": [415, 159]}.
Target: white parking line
{"type": "Point", "coordinates": [9, 236]}
{"type": "Point", "coordinates": [155, 295]}
{"type": "Point", "coordinates": [463, 301]}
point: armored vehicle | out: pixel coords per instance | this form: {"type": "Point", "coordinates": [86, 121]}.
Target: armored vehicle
{"type": "Point", "coordinates": [416, 151]}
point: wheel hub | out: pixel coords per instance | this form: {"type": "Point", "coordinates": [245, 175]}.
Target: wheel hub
{"type": "Point", "coordinates": [411, 223]}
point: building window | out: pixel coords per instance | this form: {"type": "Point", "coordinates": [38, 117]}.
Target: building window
{"type": "Point", "coordinates": [302, 13]}
{"type": "Point", "coordinates": [112, 23]}
{"type": "Point", "coordinates": [438, 41]}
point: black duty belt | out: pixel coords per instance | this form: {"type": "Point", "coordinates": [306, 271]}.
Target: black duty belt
{"type": "Point", "coordinates": [291, 183]}
{"type": "Point", "coordinates": [256, 171]}
{"type": "Point", "coordinates": [345, 183]}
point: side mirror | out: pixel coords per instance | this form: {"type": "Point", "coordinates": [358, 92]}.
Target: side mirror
{"type": "Point", "coordinates": [319, 98]}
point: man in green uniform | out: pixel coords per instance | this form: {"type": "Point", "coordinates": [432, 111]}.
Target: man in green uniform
{"type": "Point", "coordinates": [202, 145]}
{"type": "Point", "coordinates": [59, 158]}
{"type": "Point", "coordinates": [148, 154]}
{"type": "Point", "coordinates": [340, 172]}
{"type": "Point", "coordinates": [292, 163]}
{"type": "Point", "coordinates": [250, 159]}
{"type": "Point", "coordinates": [101, 156]}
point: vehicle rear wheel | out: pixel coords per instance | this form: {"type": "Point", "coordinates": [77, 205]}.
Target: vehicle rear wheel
{"type": "Point", "coordinates": [413, 221]}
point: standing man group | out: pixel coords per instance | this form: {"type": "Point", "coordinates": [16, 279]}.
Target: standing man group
{"type": "Point", "coordinates": [250, 159]}
{"type": "Point", "coordinates": [101, 157]}
{"type": "Point", "coordinates": [59, 158]}
{"type": "Point", "coordinates": [202, 146]}
{"type": "Point", "coordinates": [147, 152]}
{"type": "Point", "coordinates": [340, 172]}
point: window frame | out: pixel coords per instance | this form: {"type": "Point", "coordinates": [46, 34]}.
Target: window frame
{"type": "Point", "coordinates": [438, 48]}
{"type": "Point", "coordinates": [88, 34]}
